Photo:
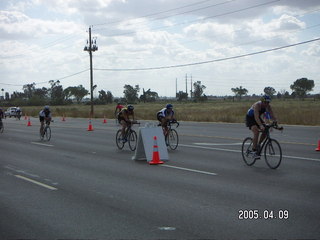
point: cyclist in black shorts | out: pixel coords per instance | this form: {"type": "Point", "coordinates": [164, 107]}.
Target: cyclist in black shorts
{"type": "Point", "coordinates": [255, 122]}
{"type": "Point", "coordinates": [124, 119]}
{"type": "Point", "coordinates": [44, 115]}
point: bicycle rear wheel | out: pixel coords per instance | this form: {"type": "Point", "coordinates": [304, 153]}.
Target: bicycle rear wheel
{"type": "Point", "coordinates": [47, 131]}
{"type": "Point", "coordinates": [273, 153]}
{"type": "Point", "coordinates": [133, 139]}
{"type": "Point", "coordinates": [119, 142]}
{"type": "Point", "coordinates": [247, 153]}
{"type": "Point", "coordinates": [172, 139]}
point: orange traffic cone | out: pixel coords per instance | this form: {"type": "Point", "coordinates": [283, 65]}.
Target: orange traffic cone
{"type": "Point", "coordinates": [318, 148]}
{"type": "Point", "coordinates": [63, 118]}
{"type": "Point", "coordinates": [90, 128]}
{"type": "Point", "coordinates": [104, 120]}
{"type": "Point", "coordinates": [155, 156]}
{"type": "Point", "coordinates": [29, 123]}
{"type": "Point", "coordinates": [25, 117]}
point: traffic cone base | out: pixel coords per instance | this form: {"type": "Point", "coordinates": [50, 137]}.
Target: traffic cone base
{"type": "Point", "coordinates": [29, 123]}
{"type": "Point", "coordinates": [318, 148]}
{"type": "Point", "coordinates": [155, 156]}
{"type": "Point", "coordinates": [90, 128]}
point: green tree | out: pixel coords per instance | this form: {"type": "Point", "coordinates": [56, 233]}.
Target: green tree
{"type": "Point", "coordinates": [131, 93]}
{"type": "Point", "coordinates": [198, 91]}
{"type": "Point", "coordinates": [239, 91]}
{"type": "Point", "coordinates": [269, 91]}
{"type": "Point", "coordinates": [149, 96]}
{"type": "Point", "coordinates": [29, 89]}
{"type": "Point", "coordinates": [181, 95]}
{"type": "Point", "coordinates": [56, 93]}
{"type": "Point", "coordinates": [301, 87]}
{"type": "Point", "coordinates": [105, 97]}
{"type": "Point", "coordinates": [78, 93]}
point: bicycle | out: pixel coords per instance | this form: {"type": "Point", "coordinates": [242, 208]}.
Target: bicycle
{"type": "Point", "coordinates": [46, 131]}
{"type": "Point", "coordinates": [1, 126]}
{"type": "Point", "coordinates": [130, 137]}
{"type": "Point", "coordinates": [171, 136]}
{"type": "Point", "coordinates": [270, 147]}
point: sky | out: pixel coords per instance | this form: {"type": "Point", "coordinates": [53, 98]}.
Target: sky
{"type": "Point", "coordinates": [162, 45]}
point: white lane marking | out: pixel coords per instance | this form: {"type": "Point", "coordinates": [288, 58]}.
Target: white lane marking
{"type": "Point", "coordinates": [217, 144]}
{"type": "Point", "coordinates": [189, 170]}
{"type": "Point", "coordinates": [167, 228]}
{"type": "Point", "coordinates": [210, 148]}
{"type": "Point", "coordinates": [35, 182]}
{"type": "Point", "coordinates": [238, 151]}
{"type": "Point", "coordinates": [42, 144]}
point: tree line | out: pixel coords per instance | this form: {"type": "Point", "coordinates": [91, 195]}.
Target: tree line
{"type": "Point", "coordinates": [56, 95]}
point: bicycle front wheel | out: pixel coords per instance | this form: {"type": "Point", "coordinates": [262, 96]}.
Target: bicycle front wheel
{"type": "Point", "coordinates": [172, 139]}
{"type": "Point", "coordinates": [273, 153]}
{"type": "Point", "coordinates": [119, 142]}
{"type": "Point", "coordinates": [247, 153]}
{"type": "Point", "coordinates": [48, 133]}
{"type": "Point", "coordinates": [133, 139]}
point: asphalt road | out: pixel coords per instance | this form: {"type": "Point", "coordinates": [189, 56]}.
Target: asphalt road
{"type": "Point", "coordinates": [80, 186]}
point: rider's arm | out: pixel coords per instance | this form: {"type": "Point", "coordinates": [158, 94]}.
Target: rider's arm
{"type": "Point", "coordinates": [256, 109]}
{"type": "Point", "coordinates": [273, 117]}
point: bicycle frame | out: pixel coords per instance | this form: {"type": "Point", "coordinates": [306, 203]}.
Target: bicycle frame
{"type": "Point", "coordinates": [267, 132]}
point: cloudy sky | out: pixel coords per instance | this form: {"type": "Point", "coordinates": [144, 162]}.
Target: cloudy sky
{"type": "Point", "coordinates": [153, 43]}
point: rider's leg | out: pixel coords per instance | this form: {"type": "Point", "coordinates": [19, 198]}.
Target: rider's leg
{"type": "Point", "coordinates": [41, 127]}
{"type": "Point", "coordinates": [123, 130]}
{"type": "Point", "coordinates": [164, 126]}
{"type": "Point", "coordinates": [255, 131]}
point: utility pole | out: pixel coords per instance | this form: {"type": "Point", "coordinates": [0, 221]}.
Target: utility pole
{"type": "Point", "coordinates": [187, 85]}
{"type": "Point", "coordinates": [176, 87]}
{"type": "Point", "coordinates": [191, 88]}
{"type": "Point", "coordinates": [91, 47]}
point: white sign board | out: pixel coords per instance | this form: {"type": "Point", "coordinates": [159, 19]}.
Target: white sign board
{"type": "Point", "coordinates": [145, 143]}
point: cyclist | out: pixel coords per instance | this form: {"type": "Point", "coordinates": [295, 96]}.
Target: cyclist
{"type": "Point", "coordinates": [164, 116]}
{"type": "Point", "coordinates": [118, 108]}
{"type": "Point", "coordinates": [1, 116]}
{"type": "Point", "coordinates": [255, 122]}
{"type": "Point", "coordinates": [124, 119]}
{"type": "Point", "coordinates": [18, 112]}
{"type": "Point", "coordinates": [44, 115]}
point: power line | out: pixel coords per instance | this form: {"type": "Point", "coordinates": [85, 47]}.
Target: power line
{"type": "Point", "coordinates": [68, 76]}
{"type": "Point", "coordinates": [198, 20]}
{"type": "Point", "coordinates": [210, 61]}
{"type": "Point", "coordinates": [182, 13]}
{"type": "Point", "coordinates": [154, 14]}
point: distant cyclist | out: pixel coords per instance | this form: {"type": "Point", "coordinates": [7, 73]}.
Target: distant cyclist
{"type": "Point", "coordinates": [165, 115]}
{"type": "Point", "coordinates": [18, 112]}
{"type": "Point", "coordinates": [44, 115]}
{"type": "Point", "coordinates": [1, 113]}
{"type": "Point", "coordinates": [254, 120]}
{"type": "Point", "coordinates": [118, 108]}
{"type": "Point", "coordinates": [1, 116]}
{"type": "Point", "coordinates": [124, 119]}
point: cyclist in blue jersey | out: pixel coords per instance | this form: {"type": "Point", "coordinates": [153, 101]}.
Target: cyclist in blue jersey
{"type": "Point", "coordinates": [255, 122]}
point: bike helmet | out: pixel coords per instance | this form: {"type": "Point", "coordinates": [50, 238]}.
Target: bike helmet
{"type": "Point", "coordinates": [130, 107]}
{"type": "Point", "coordinates": [46, 108]}
{"type": "Point", "coordinates": [169, 106]}
{"type": "Point", "coordinates": [266, 98]}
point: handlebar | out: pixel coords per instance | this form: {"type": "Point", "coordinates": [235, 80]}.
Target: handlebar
{"type": "Point", "coordinates": [273, 125]}
{"type": "Point", "coordinates": [174, 122]}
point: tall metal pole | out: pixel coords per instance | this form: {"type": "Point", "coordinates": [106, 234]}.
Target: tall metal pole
{"type": "Point", "coordinates": [91, 73]}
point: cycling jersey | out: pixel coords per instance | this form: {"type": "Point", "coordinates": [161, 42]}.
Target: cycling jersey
{"type": "Point", "coordinates": [124, 114]}
{"type": "Point", "coordinates": [164, 113]}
